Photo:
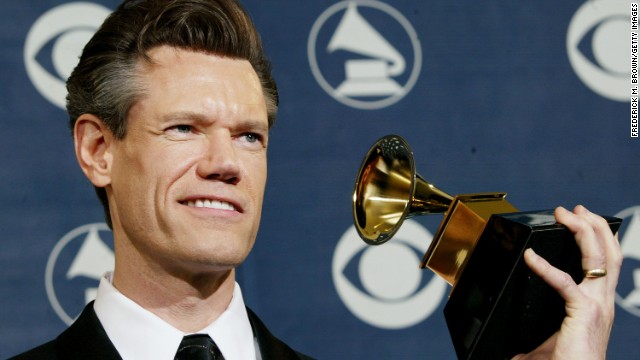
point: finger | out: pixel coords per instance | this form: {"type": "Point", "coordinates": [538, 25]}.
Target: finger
{"type": "Point", "coordinates": [560, 281]}
{"type": "Point", "coordinates": [593, 253]}
{"type": "Point", "coordinates": [611, 247]}
{"type": "Point", "coordinates": [609, 243]}
{"type": "Point", "coordinates": [614, 264]}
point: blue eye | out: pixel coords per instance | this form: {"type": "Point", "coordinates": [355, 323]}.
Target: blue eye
{"type": "Point", "coordinates": [251, 137]}
{"type": "Point", "coordinates": [184, 129]}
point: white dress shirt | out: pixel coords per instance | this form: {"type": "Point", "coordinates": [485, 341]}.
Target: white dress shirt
{"type": "Point", "coordinates": [138, 334]}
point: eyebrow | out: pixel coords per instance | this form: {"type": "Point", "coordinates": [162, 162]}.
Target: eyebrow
{"type": "Point", "coordinates": [201, 119]}
{"type": "Point", "coordinates": [186, 115]}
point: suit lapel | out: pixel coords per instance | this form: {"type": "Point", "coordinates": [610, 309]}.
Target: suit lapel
{"type": "Point", "coordinates": [270, 347]}
{"type": "Point", "coordinates": [86, 339]}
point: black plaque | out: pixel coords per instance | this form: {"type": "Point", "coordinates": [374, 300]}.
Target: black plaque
{"type": "Point", "coordinates": [499, 308]}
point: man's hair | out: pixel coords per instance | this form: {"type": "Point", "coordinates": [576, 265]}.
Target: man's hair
{"type": "Point", "coordinates": [106, 82]}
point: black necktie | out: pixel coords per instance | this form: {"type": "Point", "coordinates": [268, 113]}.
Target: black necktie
{"type": "Point", "coordinates": [198, 347]}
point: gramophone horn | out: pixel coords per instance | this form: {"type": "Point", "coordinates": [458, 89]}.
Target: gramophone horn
{"type": "Point", "coordinates": [388, 190]}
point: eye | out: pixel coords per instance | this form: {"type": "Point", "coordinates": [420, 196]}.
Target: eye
{"type": "Point", "coordinates": [252, 137]}
{"type": "Point", "coordinates": [180, 132]}
{"type": "Point", "coordinates": [183, 129]}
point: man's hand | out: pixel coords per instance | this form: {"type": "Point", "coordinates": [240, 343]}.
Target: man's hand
{"type": "Point", "coordinates": [584, 333]}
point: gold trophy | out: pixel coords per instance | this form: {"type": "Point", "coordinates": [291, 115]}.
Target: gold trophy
{"type": "Point", "coordinates": [497, 307]}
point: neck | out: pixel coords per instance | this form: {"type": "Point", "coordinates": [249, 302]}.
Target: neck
{"type": "Point", "coordinates": [186, 299]}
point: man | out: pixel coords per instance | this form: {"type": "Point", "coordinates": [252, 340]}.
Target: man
{"type": "Point", "coordinates": [171, 106]}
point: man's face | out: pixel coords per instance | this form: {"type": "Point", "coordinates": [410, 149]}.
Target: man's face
{"type": "Point", "coordinates": [188, 179]}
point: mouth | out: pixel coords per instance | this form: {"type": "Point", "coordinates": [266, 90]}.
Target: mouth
{"type": "Point", "coordinates": [210, 204]}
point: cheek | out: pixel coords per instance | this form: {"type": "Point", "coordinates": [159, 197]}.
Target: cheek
{"type": "Point", "coordinates": [164, 165]}
{"type": "Point", "coordinates": [258, 175]}
{"type": "Point", "coordinates": [143, 171]}
{"type": "Point", "coordinates": [132, 182]}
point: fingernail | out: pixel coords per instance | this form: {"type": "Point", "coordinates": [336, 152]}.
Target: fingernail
{"type": "Point", "coordinates": [585, 211]}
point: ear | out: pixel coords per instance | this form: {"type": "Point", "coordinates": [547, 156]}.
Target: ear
{"type": "Point", "coordinates": [93, 145]}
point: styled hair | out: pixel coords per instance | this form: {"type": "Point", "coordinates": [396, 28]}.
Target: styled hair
{"type": "Point", "coordinates": [106, 81]}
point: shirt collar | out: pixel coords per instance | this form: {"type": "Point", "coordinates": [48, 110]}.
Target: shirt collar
{"type": "Point", "coordinates": [137, 333]}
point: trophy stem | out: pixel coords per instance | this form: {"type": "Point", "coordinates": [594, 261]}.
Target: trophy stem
{"type": "Point", "coordinates": [459, 231]}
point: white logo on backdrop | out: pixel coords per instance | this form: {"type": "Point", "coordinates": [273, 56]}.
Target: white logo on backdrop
{"type": "Point", "coordinates": [390, 277]}
{"type": "Point", "coordinates": [81, 253]}
{"type": "Point", "coordinates": [373, 66]}
{"type": "Point", "coordinates": [630, 246]}
{"type": "Point", "coordinates": [598, 47]}
{"type": "Point", "coordinates": [70, 26]}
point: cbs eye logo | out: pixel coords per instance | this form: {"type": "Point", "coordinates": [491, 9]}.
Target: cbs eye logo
{"type": "Point", "coordinates": [596, 46]}
{"type": "Point", "coordinates": [54, 44]}
{"type": "Point", "coordinates": [382, 285]}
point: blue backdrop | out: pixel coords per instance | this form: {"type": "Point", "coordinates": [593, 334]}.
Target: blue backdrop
{"type": "Point", "coordinates": [531, 98]}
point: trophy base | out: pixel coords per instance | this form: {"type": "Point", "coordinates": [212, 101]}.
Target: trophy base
{"type": "Point", "coordinates": [500, 308]}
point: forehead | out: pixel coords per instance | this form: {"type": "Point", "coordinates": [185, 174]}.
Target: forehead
{"type": "Point", "coordinates": [169, 62]}
{"type": "Point", "coordinates": [175, 77]}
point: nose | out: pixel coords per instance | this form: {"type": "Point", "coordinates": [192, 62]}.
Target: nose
{"type": "Point", "coordinates": [219, 160]}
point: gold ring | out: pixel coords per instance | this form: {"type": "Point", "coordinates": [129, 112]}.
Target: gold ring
{"type": "Point", "coordinates": [595, 273]}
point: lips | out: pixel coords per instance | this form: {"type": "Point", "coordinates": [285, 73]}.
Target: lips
{"type": "Point", "coordinates": [211, 204]}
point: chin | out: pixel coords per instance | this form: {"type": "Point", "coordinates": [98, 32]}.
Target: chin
{"type": "Point", "coordinates": [202, 252]}
{"type": "Point", "coordinates": [226, 259]}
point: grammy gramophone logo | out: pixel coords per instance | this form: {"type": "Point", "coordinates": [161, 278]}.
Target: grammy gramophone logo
{"type": "Point", "coordinates": [75, 266]}
{"type": "Point", "coordinates": [365, 54]}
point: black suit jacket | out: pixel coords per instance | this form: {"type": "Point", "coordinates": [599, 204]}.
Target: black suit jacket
{"type": "Point", "coordinates": [86, 339]}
